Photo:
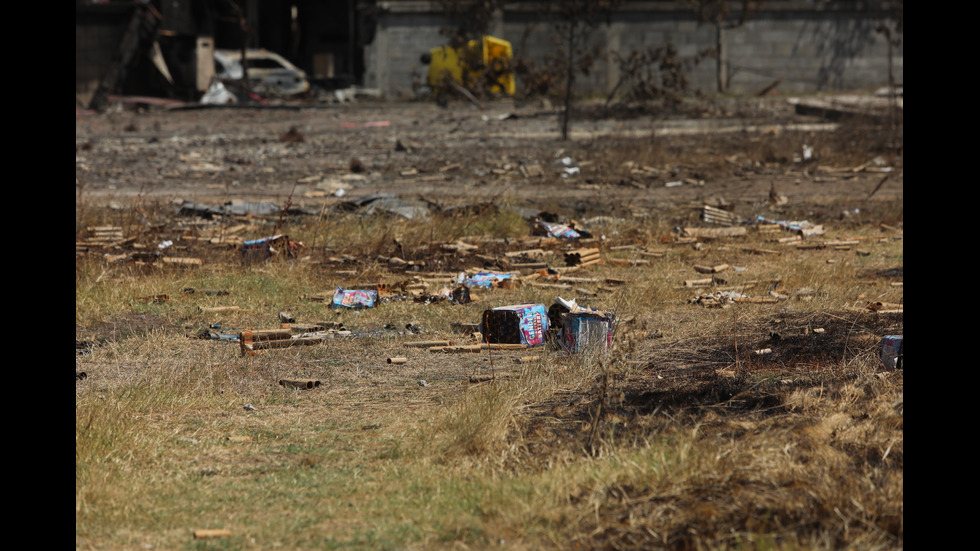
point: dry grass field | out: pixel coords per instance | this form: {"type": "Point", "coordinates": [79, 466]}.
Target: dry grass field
{"type": "Point", "coordinates": [742, 404]}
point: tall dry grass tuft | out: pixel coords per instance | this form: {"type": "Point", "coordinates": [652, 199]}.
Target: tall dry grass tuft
{"type": "Point", "coordinates": [478, 425]}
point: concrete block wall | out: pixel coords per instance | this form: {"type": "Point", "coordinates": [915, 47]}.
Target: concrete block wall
{"type": "Point", "coordinates": [392, 60]}
{"type": "Point", "coordinates": [808, 47]}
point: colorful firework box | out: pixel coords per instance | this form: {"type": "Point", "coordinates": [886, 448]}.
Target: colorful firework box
{"type": "Point", "coordinates": [587, 331]}
{"type": "Point", "coordinates": [519, 324]}
{"type": "Point", "coordinates": [346, 298]}
{"type": "Point", "coordinates": [258, 250]}
{"type": "Point", "coordinates": [486, 279]}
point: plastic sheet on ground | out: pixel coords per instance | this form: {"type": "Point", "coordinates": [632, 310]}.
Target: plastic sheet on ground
{"type": "Point", "coordinates": [387, 203]}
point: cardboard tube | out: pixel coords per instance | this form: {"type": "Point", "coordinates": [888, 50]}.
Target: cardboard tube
{"type": "Point", "coordinates": [456, 349]}
{"type": "Point", "coordinates": [425, 344]}
{"type": "Point", "coordinates": [300, 383]}
{"type": "Point", "coordinates": [397, 360]}
{"type": "Point", "coordinates": [217, 533]}
{"type": "Point", "coordinates": [266, 335]}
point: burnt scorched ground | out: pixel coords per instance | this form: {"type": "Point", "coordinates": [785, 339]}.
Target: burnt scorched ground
{"type": "Point", "coordinates": [668, 381]}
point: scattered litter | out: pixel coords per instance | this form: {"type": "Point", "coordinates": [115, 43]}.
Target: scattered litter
{"type": "Point", "coordinates": [762, 352]}
{"type": "Point", "coordinates": [204, 534]}
{"type": "Point", "coordinates": [211, 292]}
{"type": "Point", "coordinates": [675, 183]}
{"type": "Point", "coordinates": [264, 339]}
{"type": "Point", "coordinates": [236, 207]}
{"type": "Point", "coordinates": [217, 94]}
{"type": "Point", "coordinates": [580, 329]}
{"type": "Point", "coordinates": [804, 228]}
{"type": "Point", "coordinates": [423, 383]}
{"type": "Point", "coordinates": [476, 348]}
{"type": "Point", "coordinates": [720, 299]}
{"type": "Point", "coordinates": [712, 233]}
{"type": "Point", "coordinates": [250, 407]}
{"type": "Point", "coordinates": [218, 309]}
{"type": "Point", "coordinates": [258, 250]}
{"type": "Point", "coordinates": [715, 215]}
{"type": "Point", "coordinates": [485, 280]}
{"type": "Point", "coordinates": [387, 203]}
{"type": "Point", "coordinates": [710, 269]}
{"type": "Point", "coordinates": [354, 298]}
{"type": "Point", "coordinates": [398, 360]}
{"type": "Point", "coordinates": [559, 230]}
{"type": "Point", "coordinates": [80, 375]}
{"type": "Point", "coordinates": [892, 351]}
{"type": "Point", "coordinates": [461, 295]}
{"type": "Point", "coordinates": [425, 344]}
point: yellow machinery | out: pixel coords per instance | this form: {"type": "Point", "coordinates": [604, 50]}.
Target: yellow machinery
{"type": "Point", "coordinates": [475, 67]}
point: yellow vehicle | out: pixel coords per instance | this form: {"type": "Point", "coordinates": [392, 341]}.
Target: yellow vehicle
{"type": "Point", "coordinates": [483, 64]}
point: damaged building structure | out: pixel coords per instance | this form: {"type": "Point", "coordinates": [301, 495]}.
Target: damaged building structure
{"type": "Point", "coordinates": [163, 50]}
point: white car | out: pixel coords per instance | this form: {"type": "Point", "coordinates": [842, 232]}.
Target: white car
{"type": "Point", "coordinates": [268, 72]}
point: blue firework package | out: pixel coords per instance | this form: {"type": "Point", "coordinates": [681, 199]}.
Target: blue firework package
{"type": "Point", "coordinates": [354, 299]}
{"type": "Point", "coordinates": [518, 324]}
{"type": "Point", "coordinates": [265, 248]}
{"type": "Point", "coordinates": [485, 279]}
{"type": "Point", "coordinates": [559, 230]}
{"type": "Point", "coordinates": [587, 331]}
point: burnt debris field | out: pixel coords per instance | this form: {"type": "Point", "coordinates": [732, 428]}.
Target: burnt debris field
{"type": "Point", "coordinates": [385, 325]}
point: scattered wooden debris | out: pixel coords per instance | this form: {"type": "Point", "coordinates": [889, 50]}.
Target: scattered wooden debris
{"type": "Point", "coordinates": [475, 348]}
{"type": "Point", "coordinates": [426, 344]}
{"type": "Point", "coordinates": [715, 215]}
{"type": "Point", "coordinates": [218, 309]}
{"type": "Point", "coordinates": [710, 269]}
{"type": "Point", "coordinates": [714, 233]}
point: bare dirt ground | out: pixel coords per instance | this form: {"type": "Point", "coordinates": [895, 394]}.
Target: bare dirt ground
{"type": "Point", "coordinates": [730, 152]}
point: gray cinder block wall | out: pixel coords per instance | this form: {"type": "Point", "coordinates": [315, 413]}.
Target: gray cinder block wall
{"type": "Point", "coordinates": [807, 46]}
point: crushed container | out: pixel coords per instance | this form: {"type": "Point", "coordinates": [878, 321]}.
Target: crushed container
{"type": "Point", "coordinates": [892, 351]}
{"type": "Point", "coordinates": [347, 298]}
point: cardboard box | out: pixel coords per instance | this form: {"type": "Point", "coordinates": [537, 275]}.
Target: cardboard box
{"type": "Point", "coordinates": [518, 324]}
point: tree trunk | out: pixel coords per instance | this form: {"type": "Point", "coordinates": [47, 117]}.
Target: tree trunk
{"type": "Point", "coordinates": [722, 75]}
{"type": "Point", "coordinates": [570, 76]}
